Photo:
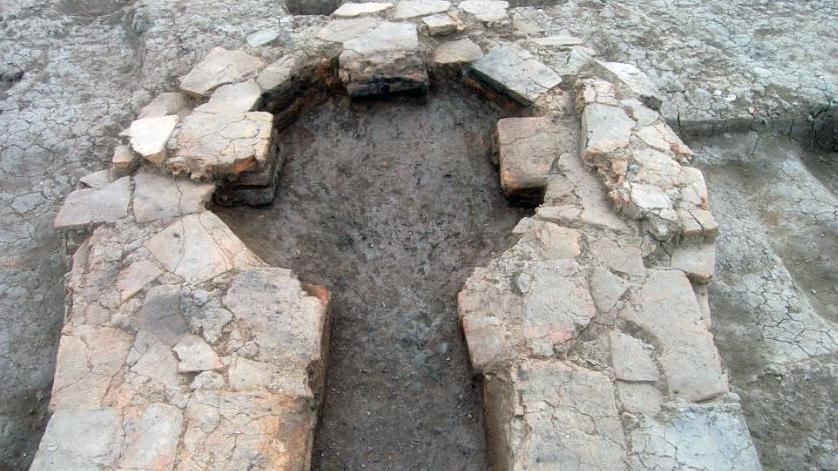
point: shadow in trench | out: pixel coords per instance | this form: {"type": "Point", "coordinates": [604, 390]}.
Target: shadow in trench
{"type": "Point", "coordinates": [390, 205]}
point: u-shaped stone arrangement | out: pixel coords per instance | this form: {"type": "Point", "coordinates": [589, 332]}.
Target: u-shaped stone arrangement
{"type": "Point", "coordinates": [182, 350]}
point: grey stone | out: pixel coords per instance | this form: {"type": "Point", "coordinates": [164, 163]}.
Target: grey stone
{"type": "Point", "coordinates": [514, 71]}
{"type": "Point", "coordinates": [136, 276]}
{"type": "Point", "coordinates": [218, 68]}
{"type": "Point", "coordinates": [606, 289]}
{"type": "Point", "coordinates": [151, 439]}
{"type": "Point", "coordinates": [441, 24]}
{"type": "Point", "coordinates": [312, 7]}
{"type": "Point", "coordinates": [233, 98]}
{"type": "Point", "coordinates": [406, 9]}
{"type": "Point", "coordinates": [124, 161]}
{"type": "Point", "coordinates": [262, 37]}
{"type": "Point", "coordinates": [161, 197]}
{"type": "Point", "coordinates": [639, 398]}
{"type": "Point", "coordinates": [80, 439]}
{"type": "Point", "coordinates": [91, 206]}
{"type": "Point", "coordinates": [461, 51]}
{"type": "Point", "coordinates": [166, 103]}
{"type": "Point", "coordinates": [605, 129]}
{"type": "Point", "coordinates": [633, 81]}
{"type": "Point", "coordinates": [697, 261]}
{"type": "Point", "coordinates": [196, 355]}
{"type": "Point", "coordinates": [528, 147]}
{"type": "Point", "coordinates": [161, 314]}
{"type": "Point", "coordinates": [558, 41]}
{"type": "Point", "coordinates": [631, 358]}
{"type": "Point", "coordinates": [343, 30]}
{"type": "Point", "coordinates": [487, 11]}
{"type": "Point", "coordinates": [627, 259]}
{"type": "Point", "coordinates": [386, 60]}
{"type": "Point", "coordinates": [96, 180]}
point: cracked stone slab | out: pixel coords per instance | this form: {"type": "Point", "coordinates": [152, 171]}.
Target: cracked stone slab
{"type": "Point", "coordinates": [666, 308]}
{"type": "Point", "coordinates": [633, 80]}
{"type": "Point", "coordinates": [406, 9]}
{"type": "Point", "coordinates": [441, 24]}
{"type": "Point", "coordinates": [461, 51]}
{"type": "Point", "coordinates": [487, 11]}
{"type": "Point", "coordinates": [528, 148]}
{"type": "Point", "coordinates": [83, 439]}
{"type": "Point", "coordinates": [350, 10]}
{"type": "Point", "coordinates": [161, 197]}
{"type": "Point", "coordinates": [148, 136]}
{"type": "Point", "coordinates": [514, 71]}
{"type": "Point", "coordinates": [164, 104]}
{"type": "Point", "coordinates": [219, 67]}
{"type": "Point", "coordinates": [233, 98]}
{"type": "Point", "coordinates": [215, 146]}
{"type": "Point", "coordinates": [692, 436]}
{"type": "Point", "coordinates": [89, 206]}
{"type": "Point", "coordinates": [342, 30]}
{"type": "Point", "coordinates": [550, 415]}
{"type": "Point", "coordinates": [605, 129]}
{"type": "Point", "coordinates": [631, 358]}
{"type": "Point", "coordinates": [196, 355]}
{"type": "Point", "coordinates": [383, 61]}
{"type": "Point", "coordinates": [199, 247]}
{"type": "Point", "coordinates": [697, 261]}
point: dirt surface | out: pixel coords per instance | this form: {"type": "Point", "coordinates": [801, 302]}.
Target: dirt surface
{"type": "Point", "coordinates": [775, 297]}
{"type": "Point", "coordinates": [390, 205]}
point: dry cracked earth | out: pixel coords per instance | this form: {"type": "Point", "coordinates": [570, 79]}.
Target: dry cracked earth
{"type": "Point", "coordinates": [750, 86]}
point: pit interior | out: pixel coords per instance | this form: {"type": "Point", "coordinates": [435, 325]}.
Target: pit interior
{"type": "Point", "coordinates": [390, 204]}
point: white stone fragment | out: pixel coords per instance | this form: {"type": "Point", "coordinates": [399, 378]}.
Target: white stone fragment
{"type": "Point", "coordinates": [196, 355]}
{"type": "Point", "coordinates": [350, 10]}
{"type": "Point", "coordinates": [487, 11]}
{"type": "Point", "coordinates": [149, 136]}
{"type": "Point", "coordinates": [218, 68]}
{"type": "Point", "coordinates": [406, 9]}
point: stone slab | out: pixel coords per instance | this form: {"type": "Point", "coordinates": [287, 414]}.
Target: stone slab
{"type": "Point", "coordinates": [89, 206]}
{"type": "Point", "coordinates": [219, 67]}
{"type": "Point", "coordinates": [513, 70]}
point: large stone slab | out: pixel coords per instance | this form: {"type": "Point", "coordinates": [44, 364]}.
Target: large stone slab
{"type": "Point", "coordinates": [547, 415]}
{"type": "Point", "coordinates": [514, 71]}
{"type": "Point", "coordinates": [233, 98]}
{"type": "Point", "coordinates": [160, 197]}
{"type": "Point", "coordinates": [384, 61]}
{"type": "Point", "coordinates": [148, 136]}
{"type": "Point", "coordinates": [89, 206]}
{"type": "Point", "coordinates": [218, 68]}
{"type": "Point", "coordinates": [487, 11]}
{"type": "Point", "coordinates": [350, 10]}
{"type": "Point", "coordinates": [666, 308]}
{"type": "Point", "coordinates": [199, 247]}
{"type": "Point", "coordinates": [406, 9]}
{"type": "Point", "coordinates": [80, 439]}
{"type": "Point", "coordinates": [219, 146]}
{"type": "Point", "coordinates": [528, 148]}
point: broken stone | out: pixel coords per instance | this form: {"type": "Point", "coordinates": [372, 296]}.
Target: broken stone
{"type": "Point", "coordinates": [605, 129]}
{"type": "Point", "coordinates": [149, 137]}
{"type": "Point", "coordinates": [606, 289]}
{"type": "Point", "coordinates": [349, 10]}
{"type": "Point", "coordinates": [341, 30]}
{"type": "Point", "coordinates": [441, 25]}
{"type": "Point", "coordinates": [514, 71]}
{"type": "Point", "coordinates": [82, 439]}
{"type": "Point", "coordinates": [151, 437]}
{"type": "Point", "coordinates": [233, 98]}
{"type": "Point", "coordinates": [214, 146]}
{"type": "Point", "coordinates": [527, 149]}
{"type": "Point", "coordinates": [559, 41]}
{"type": "Point", "coordinates": [208, 381]}
{"type": "Point", "coordinates": [666, 308]}
{"type": "Point", "coordinates": [250, 375]}
{"type": "Point", "coordinates": [218, 68]}
{"type": "Point", "coordinates": [406, 9]}
{"type": "Point", "coordinates": [460, 51]}
{"type": "Point", "coordinates": [279, 76]}
{"type": "Point", "coordinates": [153, 361]}
{"type": "Point", "coordinates": [384, 61]}
{"type": "Point", "coordinates": [628, 259]}
{"type": "Point", "coordinates": [631, 358]}
{"type": "Point", "coordinates": [487, 11]}
{"type": "Point", "coordinates": [632, 81]}
{"type": "Point", "coordinates": [546, 241]}
{"type": "Point", "coordinates": [135, 277]}
{"type": "Point", "coordinates": [553, 416]}
{"type": "Point", "coordinates": [161, 315]}
{"type": "Point", "coordinates": [160, 197]}
{"type": "Point", "coordinates": [691, 436]}
{"type": "Point", "coordinates": [167, 103]}
{"type": "Point", "coordinates": [199, 247]}
{"type": "Point", "coordinates": [262, 38]}
{"type": "Point", "coordinates": [196, 355]}
{"type": "Point", "coordinates": [124, 161]}
{"type": "Point", "coordinates": [697, 261]}
{"type": "Point", "coordinates": [88, 359]}
{"type": "Point", "coordinates": [96, 180]}
{"type": "Point", "coordinates": [698, 224]}
{"type": "Point", "coordinates": [639, 398]}
{"type": "Point", "coordinates": [94, 206]}
{"type": "Point", "coordinates": [291, 342]}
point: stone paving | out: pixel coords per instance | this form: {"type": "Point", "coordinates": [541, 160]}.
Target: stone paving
{"type": "Point", "coordinates": [172, 346]}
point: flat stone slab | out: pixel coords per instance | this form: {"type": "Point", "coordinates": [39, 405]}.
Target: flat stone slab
{"type": "Point", "coordinates": [440, 24]}
{"type": "Point", "coordinates": [350, 10]}
{"type": "Point", "coordinates": [528, 148]}
{"type": "Point", "coordinates": [461, 51]}
{"type": "Point", "coordinates": [148, 137]}
{"type": "Point", "coordinates": [514, 71]}
{"type": "Point", "coordinates": [487, 11]}
{"type": "Point", "coordinates": [342, 30]}
{"type": "Point", "coordinates": [384, 61]}
{"type": "Point", "coordinates": [216, 146]}
{"type": "Point", "coordinates": [218, 68]}
{"type": "Point", "coordinates": [199, 247]}
{"type": "Point", "coordinates": [233, 98]}
{"type": "Point", "coordinates": [160, 197]}
{"type": "Point", "coordinates": [166, 103]}
{"type": "Point", "coordinates": [88, 206]}
{"type": "Point", "coordinates": [407, 9]}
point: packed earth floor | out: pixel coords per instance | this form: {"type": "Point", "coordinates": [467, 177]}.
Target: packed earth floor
{"type": "Point", "coordinates": [392, 204]}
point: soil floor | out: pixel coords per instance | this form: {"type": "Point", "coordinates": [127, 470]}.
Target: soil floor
{"type": "Point", "coordinates": [390, 205]}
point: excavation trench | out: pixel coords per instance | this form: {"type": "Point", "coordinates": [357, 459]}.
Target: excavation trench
{"type": "Point", "coordinates": [390, 205]}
